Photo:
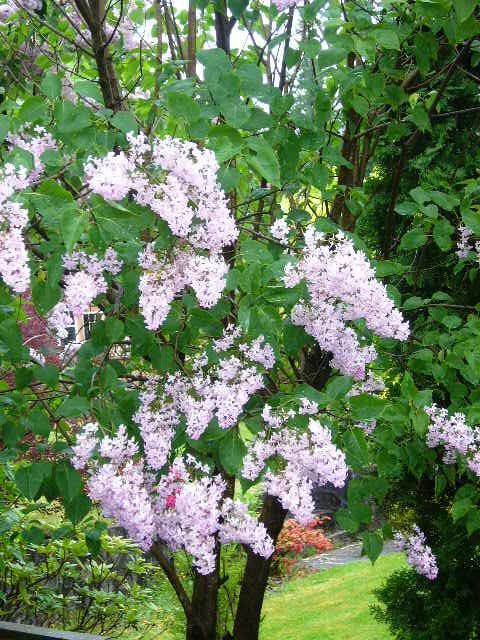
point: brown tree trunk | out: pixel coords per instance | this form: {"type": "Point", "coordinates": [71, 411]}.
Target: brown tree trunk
{"type": "Point", "coordinates": [93, 12]}
{"type": "Point", "coordinates": [192, 39]}
{"type": "Point", "coordinates": [247, 619]}
{"type": "Point", "coordinates": [202, 622]}
{"type": "Point", "coordinates": [347, 174]}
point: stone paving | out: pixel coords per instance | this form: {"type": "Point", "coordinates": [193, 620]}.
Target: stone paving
{"type": "Point", "coordinates": [342, 555]}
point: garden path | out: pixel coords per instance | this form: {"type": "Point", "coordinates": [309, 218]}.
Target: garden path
{"type": "Point", "coordinates": [343, 555]}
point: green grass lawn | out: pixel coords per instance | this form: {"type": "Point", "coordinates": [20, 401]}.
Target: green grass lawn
{"type": "Point", "coordinates": [330, 605]}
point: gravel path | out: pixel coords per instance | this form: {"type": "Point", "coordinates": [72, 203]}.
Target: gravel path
{"type": "Point", "coordinates": [343, 555]}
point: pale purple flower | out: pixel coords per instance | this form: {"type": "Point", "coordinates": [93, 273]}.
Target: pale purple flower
{"type": "Point", "coordinates": [311, 459]}
{"type": "Point", "coordinates": [342, 288]}
{"type": "Point", "coordinates": [463, 245]}
{"type": "Point", "coordinates": [280, 230]}
{"type": "Point", "coordinates": [86, 443]}
{"type": "Point", "coordinates": [419, 554]}
{"type": "Point", "coordinates": [284, 4]}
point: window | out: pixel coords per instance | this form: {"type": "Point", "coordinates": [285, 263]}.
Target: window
{"type": "Point", "coordinates": [89, 320]}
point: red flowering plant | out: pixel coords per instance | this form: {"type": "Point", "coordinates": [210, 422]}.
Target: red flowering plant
{"type": "Point", "coordinates": [296, 541]}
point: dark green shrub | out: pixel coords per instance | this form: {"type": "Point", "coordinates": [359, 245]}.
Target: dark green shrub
{"type": "Point", "coordinates": [51, 576]}
{"type": "Point", "coordinates": [446, 608]}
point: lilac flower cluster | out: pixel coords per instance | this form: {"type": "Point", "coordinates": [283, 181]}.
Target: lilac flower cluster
{"type": "Point", "coordinates": [457, 438]}
{"type": "Point", "coordinates": [280, 230]}
{"type": "Point", "coordinates": [419, 554]}
{"type": "Point", "coordinates": [14, 268]}
{"type": "Point", "coordinates": [308, 459]}
{"type": "Point", "coordinates": [466, 244]}
{"type": "Point", "coordinates": [178, 181]}
{"type": "Point", "coordinates": [10, 8]}
{"type": "Point", "coordinates": [220, 392]}
{"type": "Point", "coordinates": [35, 144]}
{"type": "Point", "coordinates": [185, 509]}
{"type": "Point", "coordinates": [165, 277]}
{"type": "Point", "coordinates": [191, 511]}
{"type": "Point", "coordinates": [84, 282]}
{"type": "Point", "coordinates": [284, 4]}
{"type": "Point", "coordinates": [342, 288]}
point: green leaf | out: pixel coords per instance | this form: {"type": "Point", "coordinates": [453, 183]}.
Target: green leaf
{"type": "Point", "coordinates": [294, 338]}
{"type": "Point", "coordinates": [338, 387]}
{"type": "Point", "coordinates": [356, 449]}
{"type": "Point", "coordinates": [265, 161]}
{"type": "Point", "coordinates": [473, 521]}
{"type": "Point", "coordinates": [23, 377]}
{"type": "Point", "coordinates": [420, 118]}
{"type": "Point", "coordinates": [88, 89]}
{"type": "Point", "coordinates": [114, 329]}
{"type": "Point", "coordinates": [215, 62]}
{"type": "Point", "coordinates": [11, 341]}
{"type": "Point", "coordinates": [366, 407]}
{"type": "Point", "coordinates": [225, 141]}
{"type": "Point", "coordinates": [426, 47]}
{"type": "Point", "coordinates": [254, 251]}
{"type": "Point", "coordinates": [68, 480]}
{"type": "Point", "coordinates": [406, 208]}
{"type": "Point", "coordinates": [237, 7]}
{"type": "Point", "coordinates": [460, 508]}
{"type": "Point", "coordinates": [413, 239]}
{"type": "Point", "coordinates": [386, 38]}
{"type": "Point", "coordinates": [73, 224]}
{"type": "Point", "coordinates": [71, 118]}
{"type": "Point", "coordinates": [73, 407]}
{"type": "Point", "coordinates": [471, 219]}
{"type": "Point", "coordinates": [231, 452]}
{"type": "Point", "coordinates": [372, 545]}
{"type": "Point", "coordinates": [442, 232]}
{"type": "Point", "coordinates": [206, 323]}
{"type": "Point", "coordinates": [125, 121]}
{"type": "Point", "coordinates": [420, 195]}
{"type": "Point", "coordinates": [39, 422]}
{"type": "Point", "coordinates": [464, 8]}
{"type": "Point", "coordinates": [77, 508]}
{"type": "Point", "coordinates": [444, 200]}
{"type": "Point", "coordinates": [34, 109]}
{"type": "Point", "coordinates": [4, 127]}
{"type": "Point", "coordinates": [387, 268]}
{"type": "Point", "coordinates": [413, 303]}
{"type": "Point", "coordinates": [51, 86]}
{"type": "Point", "coordinates": [34, 535]}
{"type": "Point", "coordinates": [183, 106]}
{"type": "Point", "coordinates": [346, 521]}
{"type": "Point", "coordinates": [328, 57]}
{"type": "Point", "coordinates": [48, 374]}
{"type": "Point", "coordinates": [162, 358]}
{"type": "Point", "coordinates": [29, 479]}
{"type": "Point", "coordinates": [236, 113]}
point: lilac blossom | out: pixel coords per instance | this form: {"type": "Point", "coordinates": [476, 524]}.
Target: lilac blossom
{"type": "Point", "coordinates": [284, 4]}
{"type": "Point", "coordinates": [457, 438]}
{"type": "Point", "coordinates": [419, 554]}
{"type": "Point", "coordinates": [86, 443]}
{"type": "Point", "coordinates": [35, 144]}
{"type": "Point", "coordinates": [310, 459]}
{"type": "Point", "coordinates": [452, 433]}
{"type": "Point", "coordinates": [83, 284]}
{"type": "Point", "coordinates": [342, 288]}
{"type": "Point", "coordinates": [280, 230]}
{"type": "Point", "coordinates": [186, 195]}
{"type": "Point", "coordinates": [220, 391]}
{"type": "Point", "coordinates": [464, 242]}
